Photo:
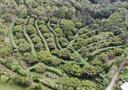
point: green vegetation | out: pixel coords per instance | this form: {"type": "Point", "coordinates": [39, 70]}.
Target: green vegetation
{"type": "Point", "coordinates": [64, 44]}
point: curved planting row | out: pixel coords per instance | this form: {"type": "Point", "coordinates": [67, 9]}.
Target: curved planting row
{"type": "Point", "coordinates": [11, 26]}
{"type": "Point", "coordinates": [97, 42]}
{"type": "Point", "coordinates": [86, 54]}
{"type": "Point", "coordinates": [65, 45]}
{"type": "Point", "coordinates": [47, 35]}
{"type": "Point", "coordinates": [55, 36]}
{"type": "Point", "coordinates": [41, 36]}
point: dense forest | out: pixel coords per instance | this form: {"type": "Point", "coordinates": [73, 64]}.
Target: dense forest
{"type": "Point", "coordinates": [64, 44]}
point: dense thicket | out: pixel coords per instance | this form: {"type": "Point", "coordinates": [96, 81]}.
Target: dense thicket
{"type": "Point", "coordinates": [63, 44]}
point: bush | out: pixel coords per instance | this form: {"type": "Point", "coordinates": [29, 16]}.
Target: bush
{"type": "Point", "coordinates": [54, 20]}
{"type": "Point", "coordinates": [38, 86]}
{"type": "Point", "coordinates": [83, 30]}
{"type": "Point", "coordinates": [29, 58]}
{"type": "Point", "coordinates": [79, 25]}
{"type": "Point", "coordinates": [65, 54]}
{"type": "Point", "coordinates": [5, 51]}
{"type": "Point", "coordinates": [24, 47]}
{"type": "Point", "coordinates": [72, 69]}
{"type": "Point", "coordinates": [52, 46]}
{"type": "Point", "coordinates": [31, 29]}
{"type": "Point", "coordinates": [89, 71]}
{"type": "Point", "coordinates": [47, 58]}
{"type": "Point", "coordinates": [70, 82]}
{"type": "Point", "coordinates": [22, 11]}
{"type": "Point", "coordinates": [43, 28]}
{"type": "Point", "coordinates": [39, 68]}
{"type": "Point", "coordinates": [55, 52]}
{"type": "Point", "coordinates": [44, 54]}
{"type": "Point", "coordinates": [18, 29]}
{"type": "Point", "coordinates": [75, 83]}
{"type": "Point", "coordinates": [89, 85]}
{"type": "Point", "coordinates": [50, 40]}
{"type": "Point", "coordinates": [36, 39]}
{"type": "Point", "coordinates": [39, 46]}
{"type": "Point", "coordinates": [96, 62]}
{"type": "Point", "coordinates": [58, 30]}
{"type": "Point", "coordinates": [115, 18]}
{"type": "Point", "coordinates": [47, 35]}
{"type": "Point", "coordinates": [19, 21]}
{"type": "Point", "coordinates": [75, 56]}
{"type": "Point", "coordinates": [23, 81]}
{"type": "Point", "coordinates": [63, 11]}
{"type": "Point", "coordinates": [41, 22]}
{"type": "Point", "coordinates": [67, 24]}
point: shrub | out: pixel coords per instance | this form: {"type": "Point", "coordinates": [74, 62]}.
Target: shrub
{"type": "Point", "coordinates": [30, 29]}
{"type": "Point", "coordinates": [116, 18]}
{"type": "Point", "coordinates": [40, 22]}
{"type": "Point", "coordinates": [89, 71]}
{"type": "Point", "coordinates": [65, 54]}
{"type": "Point", "coordinates": [18, 29]}
{"type": "Point", "coordinates": [75, 56]}
{"type": "Point", "coordinates": [58, 30]}
{"type": "Point", "coordinates": [43, 28]}
{"type": "Point", "coordinates": [51, 46]}
{"type": "Point", "coordinates": [36, 39]}
{"type": "Point", "coordinates": [24, 47]}
{"type": "Point", "coordinates": [47, 35]}
{"type": "Point", "coordinates": [22, 11]}
{"type": "Point", "coordinates": [39, 68]}
{"type": "Point", "coordinates": [89, 85]}
{"type": "Point", "coordinates": [47, 58]}
{"type": "Point", "coordinates": [5, 51]}
{"type": "Point", "coordinates": [19, 21]}
{"type": "Point", "coordinates": [29, 58]}
{"type": "Point", "coordinates": [39, 46]}
{"type": "Point", "coordinates": [70, 82]}
{"type": "Point", "coordinates": [38, 86]}
{"type": "Point", "coordinates": [71, 69]}
{"type": "Point", "coordinates": [67, 24]}
{"type": "Point", "coordinates": [83, 30]}
{"type": "Point", "coordinates": [63, 11]}
{"type": "Point", "coordinates": [75, 83]}
{"type": "Point", "coordinates": [23, 81]}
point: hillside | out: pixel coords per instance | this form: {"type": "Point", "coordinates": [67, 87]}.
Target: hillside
{"type": "Point", "coordinates": [64, 44]}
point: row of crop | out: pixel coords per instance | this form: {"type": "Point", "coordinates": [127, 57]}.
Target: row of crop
{"type": "Point", "coordinates": [55, 36]}
{"type": "Point", "coordinates": [100, 41]}
{"type": "Point", "coordinates": [32, 33]}
{"type": "Point", "coordinates": [47, 34]}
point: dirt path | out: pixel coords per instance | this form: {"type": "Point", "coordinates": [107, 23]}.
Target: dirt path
{"type": "Point", "coordinates": [115, 77]}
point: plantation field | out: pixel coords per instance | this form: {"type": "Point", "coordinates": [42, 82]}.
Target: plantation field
{"type": "Point", "coordinates": [63, 44]}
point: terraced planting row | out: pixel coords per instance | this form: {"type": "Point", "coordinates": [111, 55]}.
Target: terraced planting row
{"type": "Point", "coordinates": [63, 45]}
